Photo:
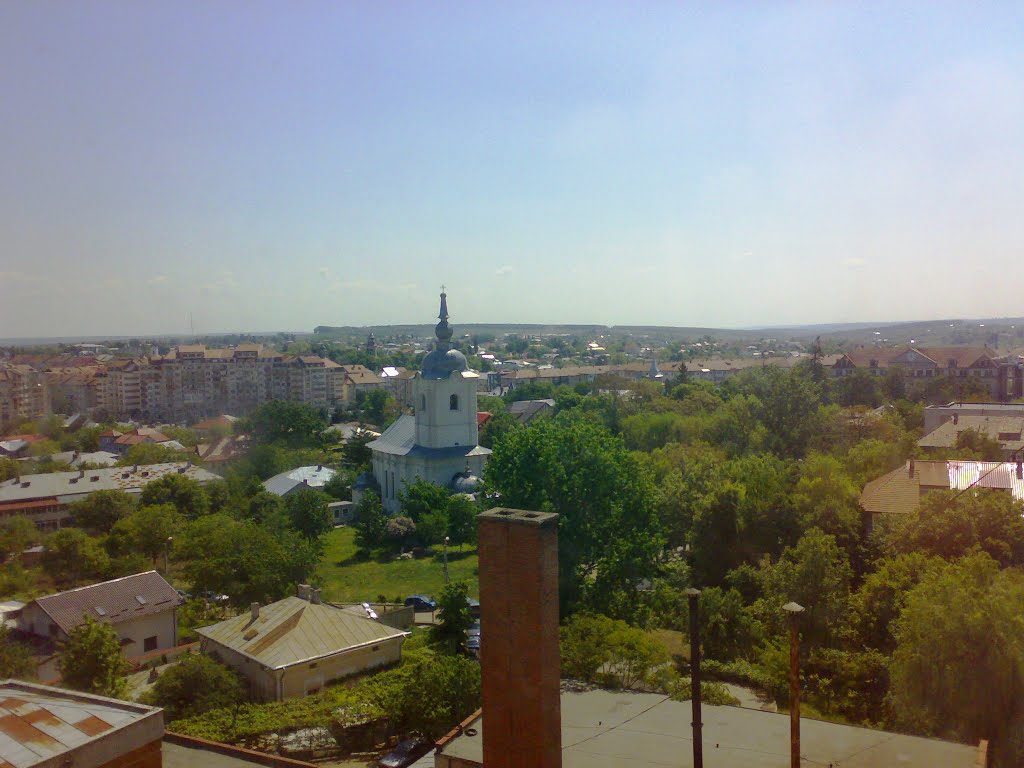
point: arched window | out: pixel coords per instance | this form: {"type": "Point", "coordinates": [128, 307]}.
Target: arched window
{"type": "Point", "coordinates": [453, 403]}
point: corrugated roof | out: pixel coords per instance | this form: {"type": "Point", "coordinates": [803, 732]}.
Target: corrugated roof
{"type": "Point", "coordinates": [293, 630]}
{"type": "Point", "coordinates": [898, 492]}
{"type": "Point", "coordinates": [118, 600]}
{"type": "Point", "coordinates": [38, 723]}
{"type": "Point", "coordinates": [76, 484]}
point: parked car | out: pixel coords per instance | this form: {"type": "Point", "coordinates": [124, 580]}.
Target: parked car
{"type": "Point", "coordinates": [473, 645]}
{"type": "Point", "coordinates": [474, 607]}
{"type": "Point", "coordinates": [421, 603]}
{"type": "Point", "coordinates": [474, 629]}
{"type": "Point", "coordinates": [405, 753]}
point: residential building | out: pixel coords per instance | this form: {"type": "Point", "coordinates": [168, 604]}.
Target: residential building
{"type": "Point", "coordinates": [298, 479]}
{"type": "Point", "coordinates": [934, 415]}
{"type": "Point", "coordinates": [440, 443]}
{"type": "Point", "coordinates": [294, 647]}
{"type": "Point", "coordinates": [45, 498]}
{"type": "Point", "coordinates": [399, 382]}
{"type": "Point", "coordinates": [900, 491]}
{"type": "Point", "coordinates": [528, 410]}
{"type": "Point", "coordinates": [359, 378]}
{"type": "Point", "coordinates": [1002, 376]}
{"type": "Point", "coordinates": [53, 727]}
{"type": "Point", "coordinates": [23, 394]}
{"type": "Point", "coordinates": [1005, 430]}
{"type": "Point", "coordinates": [141, 608]}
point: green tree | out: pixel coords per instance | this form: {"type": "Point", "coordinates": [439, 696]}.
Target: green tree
{"type": "Point", "coordinates": [15, 658]}
{"type": "Point", "coordinates": [958, 667]}
{"type": "Point", "coordinates": [90, 660]}
{"type": "Point", "coordinates": [950, 524]}
{"type": "Point", "coordinates": [370, 522]}
{"type": "Point", "coordinates": [16, 534]}
{"type": "Point", "coordinates": [308, 512]}
{"type": "Point", "coordinates": [72, 556]}
{"type": "Point", "coordinates": [455, 617]}
{"type": "Point", "coordinates": [265, 506]}
{"type": "Point", "coordinates": [975, 444]}
{"type": "Point", "coordinates": [291, 423]}
{"type": "Point", "coordinates": [355, 452]}
{"type": "Point", "coordinates": [728, 627]}
{"type": "Point", "coordinates": [609, 652]}
{"type": "Point", "coordinates": [461, 520]}
{"type": "Point", "coordinates": [860, 388]}
{"type": "Point", "coordinates": [98, 511]}
{"type": "Point", "coordinates": [878, 601]}
{"type": "Point", "coordinates": [149, 531]}
{"type": "Point", "coordinates": [609, 536]}
{"type": "Point", "coordinates": [244, 560]}
{"type": "Point", "coordinates": [789, 402]}
{"type": "Point", "coordinates": [380, 407]}
{"type": "Point", "coordinates": [339, 487]}
{"type": "Point", "coordinates": [195, 685]}
{"type": "Point", "coordinates": [433, 527]}
{"type": "Point", "coordinates": [816, 574]}
{"type": "Point", "coordinates": [421, 497]}
{"type": "Point", "coordinates": [187, 495]}
{"type": "Point", "coordinates": [153, 453]}
{"type": "Point", "coordinates": [496, 427]}
{"type": "Point", "coordinates": [826, 498]}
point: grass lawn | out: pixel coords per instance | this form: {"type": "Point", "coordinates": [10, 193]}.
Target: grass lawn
{"type": "Point", "coordinates": [348, 578]}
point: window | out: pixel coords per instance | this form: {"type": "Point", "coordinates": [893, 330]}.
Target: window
{"type": "Point", "coordinates": [453, 403]}
{"type": "Point", "coordinates": [149, 644]}
{"type": "Point", "coordinates": [423, 402]}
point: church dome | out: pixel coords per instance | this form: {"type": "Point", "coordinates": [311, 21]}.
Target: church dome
{"type": "Point", "coordinates": [464, 482]}
{"type": "Point", "coordinates": [443, 361]}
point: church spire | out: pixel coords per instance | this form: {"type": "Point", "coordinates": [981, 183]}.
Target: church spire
{"type": "Point", "coordinates": [442, 330]}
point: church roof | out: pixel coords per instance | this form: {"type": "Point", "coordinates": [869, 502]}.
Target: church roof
{"type": "Point", "coordinates": [400, 440]}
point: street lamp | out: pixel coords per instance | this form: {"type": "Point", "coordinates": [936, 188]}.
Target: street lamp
{"type": "Point", "coordinates": [698, 742]}
{"type": "Point", "coordinates": [446, 540]}
{"type": "Point", "coordinates": [794, 610]}
{"type": "Point", "coordinates": [167, 551]}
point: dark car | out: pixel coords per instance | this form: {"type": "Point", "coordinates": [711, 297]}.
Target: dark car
{"type": "Point", "coordinates": [405, 753]}
{"type": "Point", "coordinates": [421, 603]}
{"type": "Point", "coordinates": [474, 607]}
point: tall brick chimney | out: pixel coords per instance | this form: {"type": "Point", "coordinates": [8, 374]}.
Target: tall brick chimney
{"type": "Point", "coordinates": [519, 653]}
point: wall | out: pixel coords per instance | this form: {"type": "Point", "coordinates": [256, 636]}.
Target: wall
{"type": "Point", "coordinates": [301, 679]}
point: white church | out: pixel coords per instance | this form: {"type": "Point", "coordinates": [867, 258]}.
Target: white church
{"type": "Point", "coordinates": [440, 443]}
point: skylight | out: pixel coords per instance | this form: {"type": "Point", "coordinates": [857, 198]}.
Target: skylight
{"type": "Point", "coordinates": [141, 599]}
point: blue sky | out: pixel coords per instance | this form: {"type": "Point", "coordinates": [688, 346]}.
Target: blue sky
{"type": "Point", "coordinates": [281, 165]}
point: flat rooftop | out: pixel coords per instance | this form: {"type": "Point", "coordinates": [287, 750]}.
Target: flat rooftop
{"type": "Point", "coordinates": [606, 729]}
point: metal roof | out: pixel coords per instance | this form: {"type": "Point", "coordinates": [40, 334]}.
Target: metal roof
{"type": "Point", "coordinates": [292, 631]}
{"type": "Point", "coordinates": [112, 601]}
{"type": "Point", "coordinates": [314, 476]}
{"type": "Point", "coordinates": [78, 483]}
{"type": "Point", "coordinates": [39, 723]}
{"type": "Point", "coordinates": [400, 440]}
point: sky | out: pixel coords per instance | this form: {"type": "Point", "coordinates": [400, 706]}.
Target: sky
{"type": "Point", "coordinates": [262, 166]}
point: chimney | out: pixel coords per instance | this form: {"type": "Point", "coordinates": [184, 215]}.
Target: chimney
{"type": "Point", "coordinates": [254, 611]}
{"type": "Point", "coordinates": [304, 591]}
{"type": "Point", "coordinates": [911, 465]}
{"type": "Point", "coordinates": [314, 596]}
{"type": "Point", "coordinates": [81, 474]}
{"type": "Point", "coordinates": [956, 419]}
{"type": "Point", "coordinates": [520, 660]}
{"type": "Point", "coordinates": [135, 468]}
{"type": "Point", "coordinates": [1020, 469]}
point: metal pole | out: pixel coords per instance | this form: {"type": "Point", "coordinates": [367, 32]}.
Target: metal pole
{"type": "Point", "coordinates": [794, 610]}
{"type": "Point", "coordinates": [446, 560]}
{"type": "Point", "coordinates": [698, 741]}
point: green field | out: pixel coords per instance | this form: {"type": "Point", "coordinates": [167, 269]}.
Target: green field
{"type": "Point", "coordinates": [346, 577]}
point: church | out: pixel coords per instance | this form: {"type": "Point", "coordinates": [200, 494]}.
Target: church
{"type": "Point", "coordinates": [440, 443]}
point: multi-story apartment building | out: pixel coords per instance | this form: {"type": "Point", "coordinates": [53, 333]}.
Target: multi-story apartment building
{"type": "Point", "coordinates": [23, 393]}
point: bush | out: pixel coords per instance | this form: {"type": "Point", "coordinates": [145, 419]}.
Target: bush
{"type": "Point", "coordinates": [195, 685]}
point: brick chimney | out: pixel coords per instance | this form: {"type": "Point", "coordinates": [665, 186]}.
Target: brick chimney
{"type": "Point", "coordinates": [519, 656]}
{"type": "Point", "coordinates": [911, 468]}
{"type": "Point", "coordinates": [303, 591]}
{"type": "Point", "coordinates": [254, 611]}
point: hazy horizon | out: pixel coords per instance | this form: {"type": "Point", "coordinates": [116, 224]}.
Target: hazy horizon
{"type": "Point", "coordinates": [300, 164]}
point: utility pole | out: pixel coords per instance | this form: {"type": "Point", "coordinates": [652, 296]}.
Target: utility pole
{"type": "Point", "coordinates": [698, 742]}
{"type": "Point", "coordinates": [794, 610]}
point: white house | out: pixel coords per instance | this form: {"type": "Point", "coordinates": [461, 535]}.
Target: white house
{"type": "Point", "coordinates": [141, 608]}
{"type": "Point", "coordinates": [441, 442]}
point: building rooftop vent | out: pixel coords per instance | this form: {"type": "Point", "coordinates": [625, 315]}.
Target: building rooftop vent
{"type": "Point", "coordinates": [101, 611]}
{"type": "Point", "coordinates": [141, 599]}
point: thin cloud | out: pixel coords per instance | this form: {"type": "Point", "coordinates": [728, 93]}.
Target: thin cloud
{"type": "Point", "coordinates": [503, 270]}
{"type": "Point", "coordinates": [158, 279]}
